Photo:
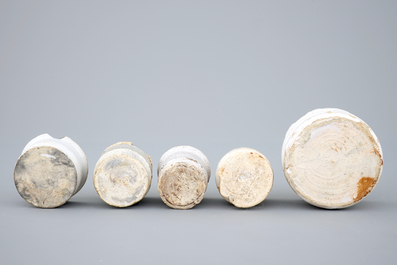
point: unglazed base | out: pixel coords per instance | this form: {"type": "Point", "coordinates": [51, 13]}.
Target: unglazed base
{"type": "Point", "coordinates": [123, 174]}
{"type": "Point", "coordinates": [331, 158]}
{"type": "Point", "coordinates": [183, 175]}
{"type": "Point", "coordinates": [121, 181]}
{"type": "Point", "coordinates": [244, 177]}
{"type": "Point", "coordinates": [182, 184]}
{"type": "Point", "coordinates": [45, 177]}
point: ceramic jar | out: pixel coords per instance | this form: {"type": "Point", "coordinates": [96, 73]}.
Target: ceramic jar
{"type": "Point", "coordinates": [183, 175]}
{"type": "Point", "coordinates": [331, 158]}
{"type": "Point", "coordinates": [123, 174]}
{"type": "Point", "coordinates": [244, 177]}
{"type": "Point", "coordinates": [50, 171]}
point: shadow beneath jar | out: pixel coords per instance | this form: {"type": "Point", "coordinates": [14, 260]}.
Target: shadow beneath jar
{"type": "Point", "coordinates": [269, 204]}
{"type": "Point", "coordinates": [291, 204]}
{"type": "Point", "coordinates": [89, 202]}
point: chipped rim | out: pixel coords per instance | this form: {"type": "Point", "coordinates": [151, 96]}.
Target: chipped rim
{"type": "Point", "coordinates": [67, 146]}
{"type": "Point", "coordinates": [75, 175]}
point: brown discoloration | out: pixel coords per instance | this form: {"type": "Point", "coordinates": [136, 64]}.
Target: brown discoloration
{"type": "Point", "coordinates": [221, 170]}
{"type": "Point", "coordinates": [245, 178]}
{"type": "Point", "coordinates": [191, 159]}
{"type": "Point", "coordinates": [376, 152]}
{"type": "Point", "coordinates": [182, 185]}
{"type": "Point", "coordinates": [356, 143]}
{"type": "Point", "coordinates": [364, 186]}
{"type": "Point", "coordinates": [336, 150]}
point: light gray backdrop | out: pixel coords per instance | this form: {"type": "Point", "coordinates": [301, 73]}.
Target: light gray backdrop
{"type": "Point", "coordinates": [216, 75]}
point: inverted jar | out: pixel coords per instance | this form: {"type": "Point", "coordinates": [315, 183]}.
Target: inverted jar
{"type": "Point", "coordinates": [50, 171]}
{"type": "Point", "coordinates": [123, 175]}
{"type": "Point", "coordinates": [244, 177]}
{"type": "Point", "coordinates": [331, 158]}
{"type": "Point", "coordinates": [183, 175]}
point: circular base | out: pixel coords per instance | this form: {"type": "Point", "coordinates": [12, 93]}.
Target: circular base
{"type": "Point", "coordinates": [45, 177]}
{"type": "Point", "coordinates": [333, 162]}
{"type": "Point", "coordinates": [245, 177]}
{"type": "Point", "coordinates": [121, 180]}
{"type": "Point", "coordinates": [182, 185]}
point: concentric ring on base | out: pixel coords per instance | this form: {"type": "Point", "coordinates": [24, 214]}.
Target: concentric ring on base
{"type": "Point", "coordinates": [121, 180]}
{"type": "Point", "coordinates": [334, 162]}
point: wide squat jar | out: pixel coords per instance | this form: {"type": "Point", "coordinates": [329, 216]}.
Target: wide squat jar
{"type": "Point", "coordinates": [331, 158]}
{"type": "Point", "coordinates": [244, 177]}
{"type": "Point", "coordinates": [50, 171]}
{"type": "Point", "coordinates": [123, 175]}
{"type": "Point", "coordinates": [183, 175]}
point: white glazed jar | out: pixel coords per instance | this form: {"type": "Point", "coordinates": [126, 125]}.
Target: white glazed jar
{"type": "Point", "coordinates": [123, 174]}
{"type": "Point", "coordinates": [50, 171]}
{"type": "Point", "coordinates": [244, 177]}
{"type": "Point", "coordinates": [183, 175]}
{"type": "Point", "coordinates": [331, 158]}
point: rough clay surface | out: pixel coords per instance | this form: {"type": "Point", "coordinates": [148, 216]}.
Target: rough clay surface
{"type": "Point", "coordinates": [245, 177]}
{"type": "Point", "coordinates": [182, 185]}
{"type": "Point", "coordinates": [121, 180]}
{"type": "Point", "coordinates": [334, 163]}
{"type": "Point", "coordinates": [45, 177]}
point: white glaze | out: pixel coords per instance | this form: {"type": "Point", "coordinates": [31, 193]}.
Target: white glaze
{"type": "Point", "coordinates": [194, 174]}
{"type": "Point", "coordinates": [185, 151]}
{"type": "Point", "coordinates": [69, 148]}
{"type": "Point", "coordinates": [123, 184]}
{"type": "Point", "coordinates": [344, 161]}
{"type": "Point", "coordinates": [244, 177]}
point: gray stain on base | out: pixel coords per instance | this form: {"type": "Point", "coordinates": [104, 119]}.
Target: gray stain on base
{"type": "Point", "coordinates": [45, 177]}
{"type": "Point", "coordinates": [121, 180]}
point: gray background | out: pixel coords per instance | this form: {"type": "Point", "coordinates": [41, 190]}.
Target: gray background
{"type": "Point", "coordinates": [216, 75]}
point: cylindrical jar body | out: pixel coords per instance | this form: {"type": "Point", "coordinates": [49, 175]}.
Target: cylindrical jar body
{"type": "Point", "coordinates": [123, 175]}
{"type": "Point", "coordinates": [183, 175]}
{"type": "Point", "coordinates": [331, 158]}
{"type": "Point", "coordinates": [244, 177]}
{"type": "Point", "coordinates": [50, 171]}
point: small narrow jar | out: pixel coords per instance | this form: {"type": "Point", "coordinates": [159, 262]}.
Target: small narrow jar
{"type": "Point", "coordinates": [50, 171]}
{"type": "Point", "coordinates": [183, 175]}
{"type": "Point", "coordinates": [244, 177]}
{"type": "Point", "coordinates": [123, 175]}
{"type": "Point", "coordinates": [331, 158]}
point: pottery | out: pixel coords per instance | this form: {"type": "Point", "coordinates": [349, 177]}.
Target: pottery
{"type": "Point", "coordinates": [123, 174]}
{"type": "Point", "coordinates": [331, 158]}
{"type": "Point", "coordinates": [244, 177]}
{"type": "Point", "coordinates": [50, 171]}
{"type": "Point", "coordinates": [183, 175]}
